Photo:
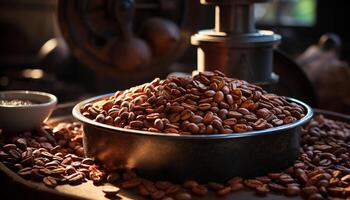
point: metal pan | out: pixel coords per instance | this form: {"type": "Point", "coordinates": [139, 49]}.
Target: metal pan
{"type": "Point", "coordinates": [201, 157]}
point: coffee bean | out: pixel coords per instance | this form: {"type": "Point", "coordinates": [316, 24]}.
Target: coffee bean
{"type": "Point", "coordinates": [235, 180]}
{"type": "Point", "coordinates": [200, 190]}
{"type": "Point", "coordinates": [193, 128]}
{"type": "Point", "coordinates": [236, 187]}
{"type": "Point", "coordinates": [262, 190]}
{"type": "Point", "coordinates": [8, 147]}
{"type": "Point", "coordinates": [75, 178]}
{"type": "Point", "coordinates": [163, 185]}
{"type": "Point", "coordinates": [172, 189]}
{"type": "Point", "coordinates": [25, 172]}
{"type": "Point", "coordinates": [183, 196]}
{"type": "Point", "coordinates": [88, 161]}
{"type": "Point", "coordinates": [224, 191]}
{"type": "Point", "coordinates": [21, 143]}
{"type": "Point", "coordinates": [158, 194]}
{"type": "Point", "coordinates": [190, 184]}
{"type": "Point", "coordinates": [215, 186]}
{"type": "Point", "coordinates": [240, 128]}
{"type": "Point", "coordinates": [50, 181]}
{"type": "Point", "coordinates": [252, 183]}
{"type": "Point", "coordinates": [292, 191]}
{"type": "Point", "coordinates": [219, 96]}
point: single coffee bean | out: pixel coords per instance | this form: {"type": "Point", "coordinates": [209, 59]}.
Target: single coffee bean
{"type": "Point", "coordinates": [292, 191]}
{"type": "Point", "coordinates": [262, 190]}
{"type": "Point", "coordinates": [200, 190]}
{"type": "Point", "coordinates": [50, 181]}
{"type": "Point", "coordinates": [158, 194]}
{"type": "Point", "coordinates": [190, 184]}
{"type": "Point", "coordinates": [215, 186]}
{"type": "Point", "coordinates": [183, 196]}
{"type": "Point", "coordinates": [163, 185]}
{"type": "Point", "coordinates": [236, 187]}
{"type": "Point", "coordinates": [252, 183]}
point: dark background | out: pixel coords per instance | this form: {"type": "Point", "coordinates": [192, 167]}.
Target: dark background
{"type": "Point", "coordinates": [25, 26]}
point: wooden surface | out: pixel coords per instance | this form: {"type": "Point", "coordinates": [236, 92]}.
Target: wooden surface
{"type": "Point", "coordinates": [89, 191]}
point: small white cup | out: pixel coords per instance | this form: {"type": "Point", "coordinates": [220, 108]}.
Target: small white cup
{"type": "Point", "coordinates": [25, 117]}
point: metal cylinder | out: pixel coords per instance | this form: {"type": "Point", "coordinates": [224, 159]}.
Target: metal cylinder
{"type": "Point", "coordinates": [233, 19]}
{"type": "Point", "coordinates": [234, 46]}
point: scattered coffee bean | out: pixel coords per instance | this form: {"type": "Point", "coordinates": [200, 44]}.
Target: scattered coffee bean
{"type": "Point", "coordinates": [50, 181]}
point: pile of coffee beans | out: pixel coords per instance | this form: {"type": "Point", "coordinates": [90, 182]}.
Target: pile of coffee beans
{"type": "Point", "coordinates": [208, 103]}
{"type": "Point", "coordinates": [54, 156]}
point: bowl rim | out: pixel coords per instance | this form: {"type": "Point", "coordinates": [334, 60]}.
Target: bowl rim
{"type": "Point", "coordinates": [78, 115]}
{"type": "Point", "coordinates": [52, 98]}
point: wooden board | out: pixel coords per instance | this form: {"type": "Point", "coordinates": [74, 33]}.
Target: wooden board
{"type": "Point", "coordinates": [89, 191]}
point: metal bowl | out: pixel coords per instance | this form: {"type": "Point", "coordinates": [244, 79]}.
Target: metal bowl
{"type": "Point", "coordinates": [201, 157]}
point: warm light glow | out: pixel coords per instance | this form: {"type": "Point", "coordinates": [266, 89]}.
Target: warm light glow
{"type": "Point", "coordinates": [33, 73]}
{"type": "Point", "coordinates": [48, 46]}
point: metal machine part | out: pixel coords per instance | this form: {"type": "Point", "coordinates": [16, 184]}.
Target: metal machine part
{"type": "Point", "coordinates": [115, 37]}
{"type": "Point", "coordinates": [234, 46]}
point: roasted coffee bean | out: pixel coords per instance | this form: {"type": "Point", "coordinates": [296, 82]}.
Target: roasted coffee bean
{"type": "Point", "coordinates": [224, 191]}
{"type": "Point", "coordinates": [25, 172]}
{"type": "Point", "coordinates": [200, 190]}
{"type": "Point", "coordinates": [158, 194]}
{"type": "Point", "coordinates": [235, 180]}
{"type": "Point", "coordinates": [215, 186]}
{"type": "Point", "coordinates": [292, 191]}
{"type": "Point", "coordinates": [240, 128]}
{"type": "Point", "coordinates": [21, 143]}
{"type": "Point", "coordinates": [163, 185]}
{"type": "Point", "coordinates": [183, 196]}
{"type": "Point", "coordinates": [8, 147]}
{"type": "Point", "coordinates": [172, 189]}
{"type": "Point", "coordinates": [190, 184]}
{"type": "Point", "coordinates": [50, 181]}
{"type": "Point", "coordinates": [75, 178]}
{"type": "Point", "coordinates": [263, 179]}
{"type": "Point", "coordinates": [252, 183]}
{"type": "Point", "coordinates": [262, 190]}
{"type": "Point", "coordinates": [158, 124]}
{"type": "Point", "coordinates": [236, 187]}
{"type": "Point", "coordinates": [193, 128]}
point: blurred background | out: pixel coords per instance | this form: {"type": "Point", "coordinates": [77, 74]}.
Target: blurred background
{"type": "Point", "coordinates": [49, 46]}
